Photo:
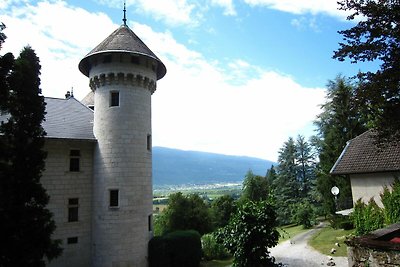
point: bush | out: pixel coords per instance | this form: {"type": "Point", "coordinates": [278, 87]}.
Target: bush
{"type": "Point", "coordinates": [249, 234]}
{"type": "Point", "coordinates": [391, 202]}
{"type": "Point", "coordinates": [305, 215]}
{"type": "Point", "coordinates": [211, 249]}
{"type": "Point", "coordinates": [176, 249]}
{"type": "Point", "coordinates": [367, 218]}
{"type": "Point", "coordinates": [341, 222]}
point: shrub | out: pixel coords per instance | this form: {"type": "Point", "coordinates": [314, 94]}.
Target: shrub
{"type": "Point", "coordinates": [391, 202]}
{"type": "Point", "coordinates": [341, 222]}
{"type": "Point", "coordinates": [367, 218]}
{"type": "Point", "coordinates": [305, 215]}
{"type": "Point", "coordinates": [211, 249]}
{"type": "Point", "coordinates": [249, 234]}
{"type": "Point", "coordinates": [176, 249]}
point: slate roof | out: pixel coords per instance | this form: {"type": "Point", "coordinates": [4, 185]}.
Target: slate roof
{"type": "Point", "coordinates": [125, 40]}
{"type": "Point", "coordinates": [362, 155]}
{"type": "Point", "coordinates": [66, 119]}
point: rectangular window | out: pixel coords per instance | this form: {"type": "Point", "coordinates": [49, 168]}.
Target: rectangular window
{"type": "Point", "coordinates": [73, 206]}
{"type": "Point", "coordinates": [114, 198]}
{"type": "Point", "coordinates": [149, 142]}
{"type": "Point", "coordinates": [74, 160]}
{"type": "Point", "coordinates": [72, 240]}
{"type": "Point", "coordinates": [114, 99]}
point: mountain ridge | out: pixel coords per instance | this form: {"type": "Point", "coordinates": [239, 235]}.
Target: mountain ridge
{"type": "Point", "coordinates": [177, 167]}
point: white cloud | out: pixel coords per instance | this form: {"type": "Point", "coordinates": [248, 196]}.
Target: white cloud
{"type": "Point", "coordinates": [198, 105]}
{"type": "Point", "coordinates": [329, 7]}
{"type": "Point", "coordinates": [227, 5]}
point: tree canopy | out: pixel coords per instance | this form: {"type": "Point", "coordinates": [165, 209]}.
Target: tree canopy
{"type": "Point", "coordinates": [184, 213]}
{"type": "Point", "coordinates": [26, 225]}
{"type": "Point", "coordinates": [376, 37]}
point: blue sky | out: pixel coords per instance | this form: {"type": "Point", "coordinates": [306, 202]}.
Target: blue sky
{"type": "Point", "coordinates": [242, 75]}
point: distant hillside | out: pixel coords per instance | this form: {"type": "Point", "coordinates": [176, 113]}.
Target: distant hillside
{"type": "Point", "coordinates": [176, 167]}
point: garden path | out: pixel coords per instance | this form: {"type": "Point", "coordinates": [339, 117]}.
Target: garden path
{"type": "Point", "coordinates": [296, 253]}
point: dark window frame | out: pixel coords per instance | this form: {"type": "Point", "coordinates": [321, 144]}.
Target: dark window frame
{"type": "Point", "coordinates": [114, 198]}
{"type": "Point", "coordinates": [114, 99]}
{"type": "Point", "coordinates": [74, 160]}
{"type": "Point", "coordinates": [73, 209]}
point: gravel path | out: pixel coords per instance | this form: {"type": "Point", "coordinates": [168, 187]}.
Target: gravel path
{"type": "Point", "coordinates": [296, 253]}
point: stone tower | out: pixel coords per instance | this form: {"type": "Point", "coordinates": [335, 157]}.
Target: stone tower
{"type": "Point", "coordinates": [123, 73]}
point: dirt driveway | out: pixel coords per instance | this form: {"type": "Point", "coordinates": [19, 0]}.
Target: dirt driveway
{"type": "Point", "coordinates": [296, 253]}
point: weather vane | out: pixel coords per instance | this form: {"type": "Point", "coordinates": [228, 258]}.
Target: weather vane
{"type": "Point", "coordinates": [124, 19]}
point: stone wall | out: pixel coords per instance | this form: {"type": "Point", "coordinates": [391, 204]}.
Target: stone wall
{"type": "Point", "coordinates": [375, 249]}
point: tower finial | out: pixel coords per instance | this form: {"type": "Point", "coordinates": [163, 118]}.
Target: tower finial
{"type": "Point", "coordinates": [124, 19]}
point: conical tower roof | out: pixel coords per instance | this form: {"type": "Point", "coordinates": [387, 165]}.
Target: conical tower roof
{"type": "Point", "coordinates": [122, 40]}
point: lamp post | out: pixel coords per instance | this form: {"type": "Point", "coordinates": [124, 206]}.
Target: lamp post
{"type": "Point", "coordinates": [335, 192]}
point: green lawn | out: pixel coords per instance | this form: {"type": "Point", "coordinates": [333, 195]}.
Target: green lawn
{"type": "Point", "coordinates": [326, 238]}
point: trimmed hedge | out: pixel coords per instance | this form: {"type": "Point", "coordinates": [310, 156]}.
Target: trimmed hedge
{"type": "Point", "coordinates": [176, 249]}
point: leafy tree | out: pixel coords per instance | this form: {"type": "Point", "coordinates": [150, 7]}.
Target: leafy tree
{"type": "Point", "coordinates": [2, 35]}
{"type": "Point", "coordinates": [255, 187]}
{"type": "Point", "coordinates": [184, 213]}
{"type": "Point", "coordinates": [340, 121]}
{"type": "Point", "coordinates": [221, 210]}
{"type": "Point", "coordinates": [376, 38]}
{"type": "Point", "coordinates": [26, 224]}
{"type": "Point", "coordinates": [250, 233]}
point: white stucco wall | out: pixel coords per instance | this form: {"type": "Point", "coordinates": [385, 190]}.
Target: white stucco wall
{"type": "Point", "coordinates": [61, 184]}
{"type": "Point", "coordinates": [366, 186]}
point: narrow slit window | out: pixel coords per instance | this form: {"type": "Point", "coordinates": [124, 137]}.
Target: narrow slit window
{"type": "Point", "coordinates": [150, 222]}
{"type": "Point", "coordinates": [114, 198]}
{"type": "Point", "coordinates": [74, 160]}
{"type": "Point", "coordinates": [149, 142]}
{"type": "Point", "coordinates": [114, 99]}
{"type": "Point", "coordinates": [73, 209]}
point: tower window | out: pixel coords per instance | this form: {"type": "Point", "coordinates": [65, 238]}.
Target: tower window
{"type": "Point", "coordinates": [114, 99]}
{"type": "Point", "coordinates": [72, 240]}
{"type": "Point", "coordinates": [150, 222]}
{"type": "Point", "coordinates": [74, 160]}
{"type": "Point", "coordinates": [149, 142]}
{"type": "Point", "coordinates": [114, 198]}
{"type": "Point", "coordinates": [73, 204]}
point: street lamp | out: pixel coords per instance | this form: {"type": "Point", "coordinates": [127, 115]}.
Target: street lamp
{"type": "Point", "coordinates": [335, 192]}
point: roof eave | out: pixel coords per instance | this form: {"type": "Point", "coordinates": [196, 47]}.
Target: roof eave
{"type": "Point", "coordinates": [84, 64]}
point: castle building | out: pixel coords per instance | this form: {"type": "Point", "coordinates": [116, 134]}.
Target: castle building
{"type": "Point", "coordinates": [98, 171]}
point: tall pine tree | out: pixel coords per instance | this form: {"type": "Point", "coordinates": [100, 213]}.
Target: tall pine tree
{"type": "Point", "coordinates": [26, 224]}
{"type": "Point", "coordinates": [340, 121]}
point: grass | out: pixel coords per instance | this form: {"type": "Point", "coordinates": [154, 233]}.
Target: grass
{"type": "Point", "coordinates": [325, 240]}
{"type": "Point", "coordinates": [290, 231]}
